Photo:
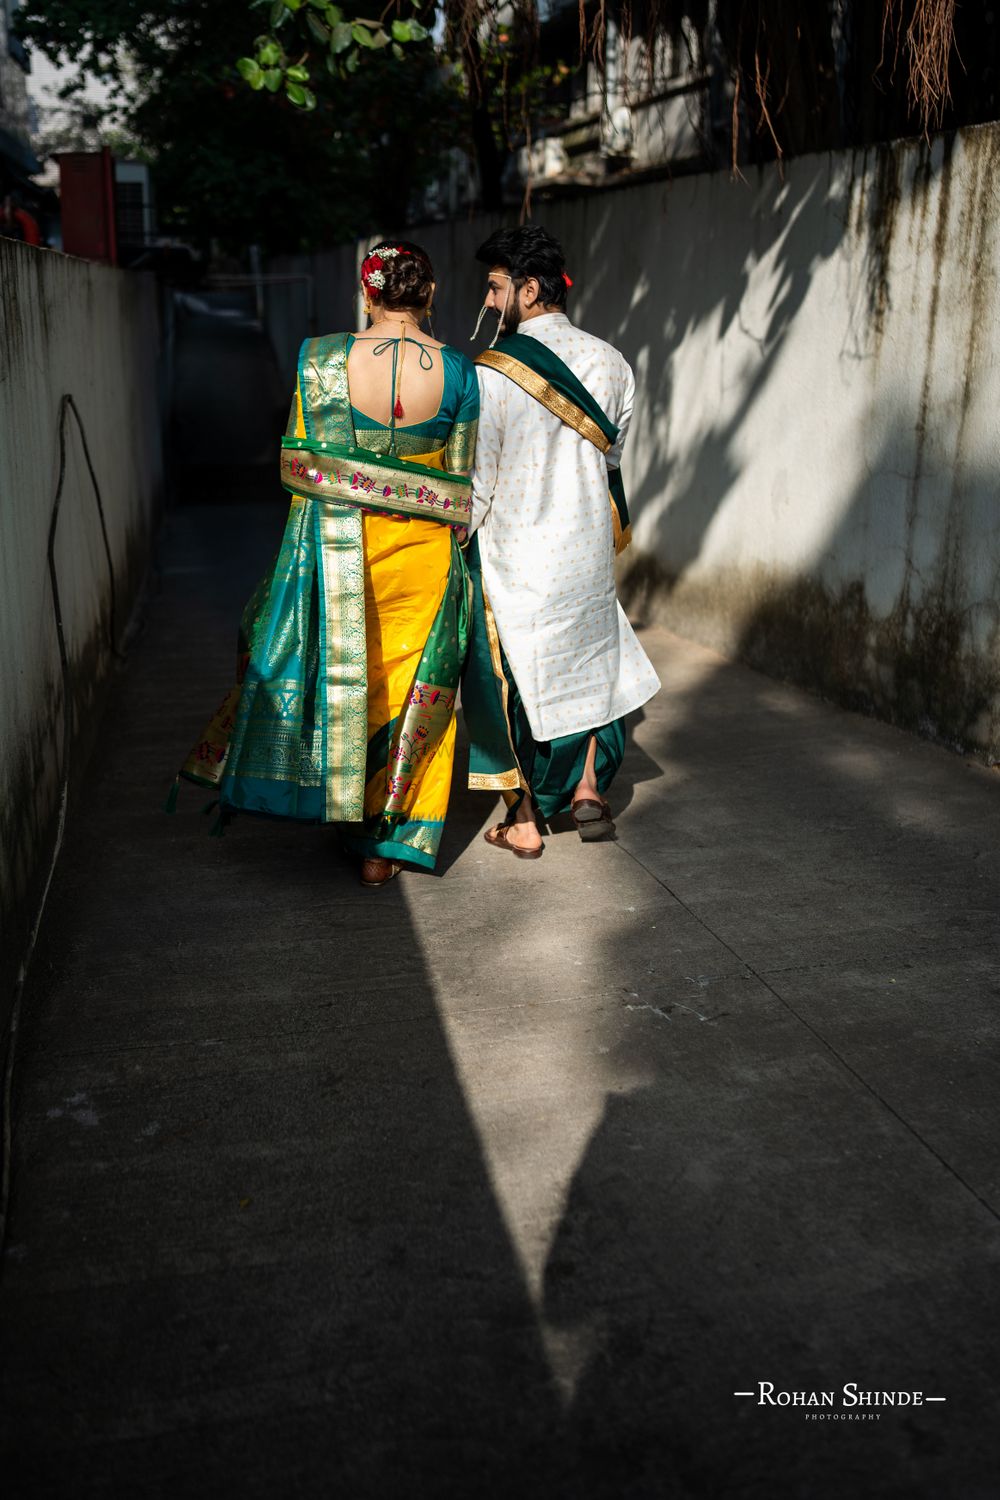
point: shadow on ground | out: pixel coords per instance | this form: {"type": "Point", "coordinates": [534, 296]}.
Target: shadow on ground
{"type": "Point", "coordinates": [803, 1185]}
{"type": "Point", "coordinates": [254, 1247]}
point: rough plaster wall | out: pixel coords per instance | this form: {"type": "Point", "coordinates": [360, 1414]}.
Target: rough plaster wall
{"type": "Point", "coordinates": [814, 468]}
{"type": "Point", "coordinates": [66, 326]}
{"type": "Point", "coordinates": [813, 465]}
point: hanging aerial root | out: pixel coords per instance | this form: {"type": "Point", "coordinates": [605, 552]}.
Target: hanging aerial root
{"type": "Point", "coordinates": [928, 39]}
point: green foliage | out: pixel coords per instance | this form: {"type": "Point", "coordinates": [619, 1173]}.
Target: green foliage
{"type": "Point", "coordinates": [267, 149]}
{"type": "Point", "coordinates": [321, 36]}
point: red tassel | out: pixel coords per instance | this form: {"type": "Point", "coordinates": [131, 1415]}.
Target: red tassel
{"type": "Point", "coordinates": [397, 410]}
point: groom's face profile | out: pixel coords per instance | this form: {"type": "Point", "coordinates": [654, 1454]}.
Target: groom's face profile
{"type": "Point", "coordinates": [501, 298]}
{"type": "Point", "coordinates": [510, 303]}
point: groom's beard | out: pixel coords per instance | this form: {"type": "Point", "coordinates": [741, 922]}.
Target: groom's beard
{"type": "Point", "coordinates": [510, 318]}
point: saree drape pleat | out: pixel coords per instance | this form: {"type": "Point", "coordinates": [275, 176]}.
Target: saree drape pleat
{"type": "Point", "coordinates": [349, 658]}
{"type": "Point", "coordinates": [504, 755]}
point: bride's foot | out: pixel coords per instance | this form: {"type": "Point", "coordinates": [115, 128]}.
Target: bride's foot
{"type": "Point", "coordinates": [375, 872]}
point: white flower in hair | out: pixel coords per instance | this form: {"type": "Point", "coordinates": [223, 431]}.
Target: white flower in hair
{"type": "Point", "coordinates": [376, 278]}
{"type": "Point", "coordinates": [386, 251]}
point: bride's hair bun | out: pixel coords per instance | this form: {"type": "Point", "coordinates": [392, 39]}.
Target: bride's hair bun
{"type": "Point", "coordinates": [398, 274]}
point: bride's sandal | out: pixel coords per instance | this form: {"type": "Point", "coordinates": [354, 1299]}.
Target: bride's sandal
{"type": "Point", "coordinates": [376, 871]}
{"type": "Point", "coordinates": [499, 838]}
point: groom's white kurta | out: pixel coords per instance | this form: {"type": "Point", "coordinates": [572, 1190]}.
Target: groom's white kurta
{"type": "Point", "coordinates": [540, 504]}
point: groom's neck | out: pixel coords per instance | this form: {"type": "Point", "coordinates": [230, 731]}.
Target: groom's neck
{"type": "Point", "coordinates": [539, 310]}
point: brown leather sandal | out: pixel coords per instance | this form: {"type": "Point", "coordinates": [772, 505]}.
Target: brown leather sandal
{"type": "Point", "coordinates": [498, 838]}
{"type": "Point", "coordinates": [377, 871]}
{"type": "Point", "coordinates": [592, 820]}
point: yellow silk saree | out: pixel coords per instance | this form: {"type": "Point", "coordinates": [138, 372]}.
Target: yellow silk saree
{"type": "Point", "coordinates": [351, 648]}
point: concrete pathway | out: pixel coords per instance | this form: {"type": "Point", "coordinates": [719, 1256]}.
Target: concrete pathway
{"type": "Point", "coordinates": [504, 1183]}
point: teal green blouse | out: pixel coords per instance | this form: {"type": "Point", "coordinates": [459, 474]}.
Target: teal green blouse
{"type": "Point", "coordinates": [452, 428]}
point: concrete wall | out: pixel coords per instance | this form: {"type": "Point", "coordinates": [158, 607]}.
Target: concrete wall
{"type": "Point", "coordinates": [813, 466]}
{"type": "Point", "coordinates": [309, 294]}
{"type": "Point", "coordinates": [66, 327]}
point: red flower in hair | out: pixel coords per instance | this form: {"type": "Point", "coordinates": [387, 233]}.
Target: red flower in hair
{"type": "Point", "coordinates": [373, 266]}
{"type": "Point", "coordinates": [372, 273]}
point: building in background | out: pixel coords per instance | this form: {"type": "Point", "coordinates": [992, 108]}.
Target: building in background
{"type": "Point", "coordinates": [697, 86]}
{"type": "Point", "coordinates": [107, 208]}
{"type": "Point", "coordinates": [18, 163]}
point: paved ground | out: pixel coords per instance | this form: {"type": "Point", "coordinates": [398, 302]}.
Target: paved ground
{"type": "Point", "coordinates": [502, 1183]}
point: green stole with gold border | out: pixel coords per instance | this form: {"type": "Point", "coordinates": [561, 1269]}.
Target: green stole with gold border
{"type": "Point", "coordinates": [495, 719]}
{"type": "Point", "coordinates": [538, 370]}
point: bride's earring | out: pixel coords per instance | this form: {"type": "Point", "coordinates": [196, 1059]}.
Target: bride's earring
{"type": "Point", "coordinates": [430, 321]}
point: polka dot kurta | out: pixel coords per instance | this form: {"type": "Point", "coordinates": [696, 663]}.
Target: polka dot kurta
{"type": "Point", "coordinates": [541, 508]}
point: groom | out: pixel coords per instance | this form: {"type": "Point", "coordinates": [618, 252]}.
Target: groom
{"type": "Point", "coordinates": [554, 665]}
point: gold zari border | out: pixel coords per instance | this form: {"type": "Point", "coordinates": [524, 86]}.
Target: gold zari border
{"type": "Point", "coordinates": [560, 406]}
{"type": "Point", "coordinates": [363, 484]}
{"type": "Point", "coordinates": [622, 536]}
{"type": "Point", "coordinates": [507, 781]}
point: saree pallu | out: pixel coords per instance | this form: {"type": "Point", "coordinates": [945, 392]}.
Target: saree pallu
{"type": "Point", "coordinates": [349, 657]}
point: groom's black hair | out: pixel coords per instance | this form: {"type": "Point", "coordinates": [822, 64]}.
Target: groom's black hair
{"type": "Point", "coordinates": [529, 251]}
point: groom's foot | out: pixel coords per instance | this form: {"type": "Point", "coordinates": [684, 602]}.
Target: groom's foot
{"type": "Point", "coordinates": [524, 836]}
{"type": "Point", "coordinates": [523, 828]}
{"type": "Point", "coordinates": [591, 816]}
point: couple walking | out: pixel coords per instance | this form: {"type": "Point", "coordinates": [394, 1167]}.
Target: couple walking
{"type": "Point", "coordinates": [448, 523]}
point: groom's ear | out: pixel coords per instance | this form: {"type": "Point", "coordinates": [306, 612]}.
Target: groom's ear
{"type": "Point", "coordinates": [531, 290]}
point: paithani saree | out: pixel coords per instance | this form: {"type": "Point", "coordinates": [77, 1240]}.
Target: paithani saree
{"type": "Point", "coordinates": [351, 648]}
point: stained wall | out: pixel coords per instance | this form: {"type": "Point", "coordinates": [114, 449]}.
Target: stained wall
{"type": "Point", "coordinates": [68, 328]}
{"type": "Point", "coordinates": [813, 465]}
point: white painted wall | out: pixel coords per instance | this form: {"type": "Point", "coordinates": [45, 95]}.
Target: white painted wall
{"type": "Point", "coordinates": [66, 326]}
{"type": "Point", "coordinates": [814, 461]}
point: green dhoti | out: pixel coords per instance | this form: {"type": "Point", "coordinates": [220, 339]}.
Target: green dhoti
{"type": "Point", "coordinates": [504, 755]}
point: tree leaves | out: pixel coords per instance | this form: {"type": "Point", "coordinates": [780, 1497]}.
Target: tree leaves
{"type": "Point", "coordinates": [304, 97]}
{"type": "Point", "coordinates": [343, 41]}
{"type": "Point", "coordinates": [204, 92]}
{"type": "Point", "coordinates": [251, 72]}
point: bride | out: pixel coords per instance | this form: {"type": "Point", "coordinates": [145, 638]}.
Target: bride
{"type": "Point", "coordinates": [350, 649]}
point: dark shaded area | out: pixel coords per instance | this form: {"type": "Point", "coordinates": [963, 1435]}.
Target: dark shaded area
{"type": "Point", "coordinates": [256, 1248]}
{"type": "Point", "coordinates": [229, 406]}
{"type": "Point", "coordinates": [805, 1187]}
{"type": "Point", "coordinates": [253, 1249]}
{"type": "Point", "coordinates": [253, 1246]}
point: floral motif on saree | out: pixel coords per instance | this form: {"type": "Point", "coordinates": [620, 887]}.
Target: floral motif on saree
{"type": "Point", "coordinates": [350, 650]}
